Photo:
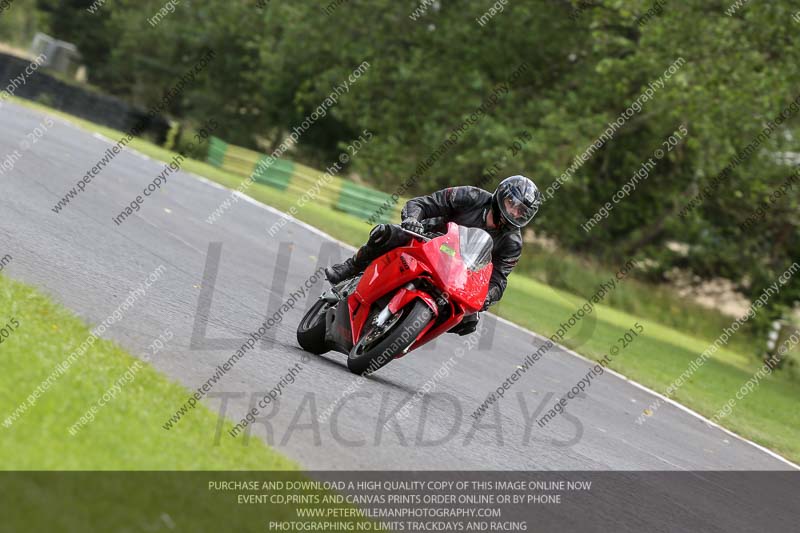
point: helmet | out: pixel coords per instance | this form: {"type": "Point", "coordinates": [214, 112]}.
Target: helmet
{"type": "Point", "coordinates": [516, 200]}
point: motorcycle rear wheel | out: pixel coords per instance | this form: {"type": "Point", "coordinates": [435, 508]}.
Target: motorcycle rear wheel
{"type": "Point", "coordinates": [376, 349]}
{"type": "Point", "coordinates": [311, 330]}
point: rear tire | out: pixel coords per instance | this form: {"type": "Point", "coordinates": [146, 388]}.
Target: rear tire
{"type": "Point", "coordinates": [366, 358]}
{"type": "Point", "coordinates": [311, 330]}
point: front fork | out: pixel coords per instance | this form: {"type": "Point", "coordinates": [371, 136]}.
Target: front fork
{"type": "Point", "coordinates": [408, 293]}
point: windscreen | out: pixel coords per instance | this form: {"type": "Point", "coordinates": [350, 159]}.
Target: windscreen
{"type": "Point", "coordinates": [476, 247]}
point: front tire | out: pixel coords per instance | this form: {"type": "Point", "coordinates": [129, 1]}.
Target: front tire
{"type": "Point", "coordinates": [371, 354]}
{"type": "Point", "coordinates": [311, 330]}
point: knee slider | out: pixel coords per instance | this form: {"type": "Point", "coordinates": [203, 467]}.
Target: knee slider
{"type": "Point", "coordinates": [379, 234]}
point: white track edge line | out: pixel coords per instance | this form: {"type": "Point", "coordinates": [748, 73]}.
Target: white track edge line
{"type": "Point", "coordinates": [657, 394]}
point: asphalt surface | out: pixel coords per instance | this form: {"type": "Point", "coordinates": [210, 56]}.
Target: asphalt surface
{"type": "Point", "coordinates": [86, 262]}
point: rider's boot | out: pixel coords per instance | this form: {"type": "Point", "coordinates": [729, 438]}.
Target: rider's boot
{"type": "Point", "coordinates": [382, 238]}
{"type": "Point", "coordinates": [352, 266]}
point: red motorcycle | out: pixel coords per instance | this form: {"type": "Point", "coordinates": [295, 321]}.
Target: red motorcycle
{"type": "Point", "coordinates": [404, 299]}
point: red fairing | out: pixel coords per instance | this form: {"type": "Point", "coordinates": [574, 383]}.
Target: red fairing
{"type": "Point", "coordinates": [439, 261]}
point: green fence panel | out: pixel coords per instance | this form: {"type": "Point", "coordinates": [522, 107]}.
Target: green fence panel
{"type": "Point", "coordinates": [365, 203]}
{"type": "Point", "coordinates": [216, 151]}
{"type": "Point", "coordinates": [277, 175]}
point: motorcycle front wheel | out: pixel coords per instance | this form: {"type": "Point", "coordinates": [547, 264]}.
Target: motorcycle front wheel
{"type": "Point", "coordinates": [379, 345]}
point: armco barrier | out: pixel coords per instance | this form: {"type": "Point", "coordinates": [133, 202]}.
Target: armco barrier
{"type": "Point", "coordinates": [77, 100]}
{"type": "Point", "coordinates": [363, 202]}
{"type": "Point", "coordinates": [216, 151]}
{"type": "Point", "coordinates": [277, 174]}
{"type": "Point", "coordinates": [302, 181]}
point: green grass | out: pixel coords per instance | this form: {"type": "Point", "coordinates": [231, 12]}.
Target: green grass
{"type": "Point", "coordinates": [770, 415]}
{"type": "Point", "coordinates": [580, 276]}
{"type": "Point", "coordinates": [126, 434]}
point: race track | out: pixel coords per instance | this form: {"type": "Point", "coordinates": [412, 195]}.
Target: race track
{"type": "Point", "coordinates": [89, 264]}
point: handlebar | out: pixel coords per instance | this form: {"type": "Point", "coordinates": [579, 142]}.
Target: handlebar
{"type": "Point", "coordinates": [415, 234]}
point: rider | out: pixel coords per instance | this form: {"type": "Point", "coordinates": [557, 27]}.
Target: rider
{"type": "Point", "coordinates": [501, 215]}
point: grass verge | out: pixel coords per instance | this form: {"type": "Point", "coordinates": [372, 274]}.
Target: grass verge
{"type": "Point", "coordinates": [126, 433]}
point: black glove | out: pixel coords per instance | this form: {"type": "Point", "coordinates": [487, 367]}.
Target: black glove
{"type": "Point", "coordinates": [492, 297]}
{"type": "Point", "coordinates": [412, 224]}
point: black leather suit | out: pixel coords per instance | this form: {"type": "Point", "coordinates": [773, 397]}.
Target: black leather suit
{"type": "Point", "coordinates": [466, 206]}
